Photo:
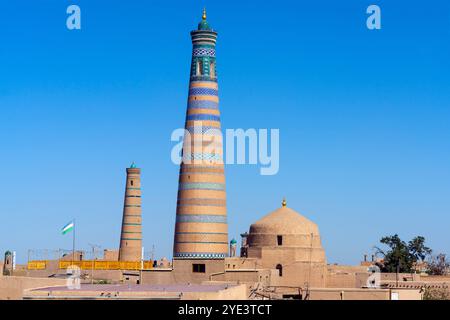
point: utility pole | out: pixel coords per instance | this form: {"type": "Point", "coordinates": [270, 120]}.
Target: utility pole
{"type": "Point", "coordinates": [73, 242]}
{"type": "Point", "coordinates": [142, 258]}
{"type": "Point", "coordinates": [93, 246]}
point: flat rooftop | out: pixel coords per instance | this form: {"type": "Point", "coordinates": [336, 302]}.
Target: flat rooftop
{"type": "Point", "coordinates": [136, 291]}
{"type": "Point", "coordinates": [141, 288]}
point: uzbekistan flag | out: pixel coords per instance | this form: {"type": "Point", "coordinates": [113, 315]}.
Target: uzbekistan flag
{"type": "Point", "coordinates": [67, 228]}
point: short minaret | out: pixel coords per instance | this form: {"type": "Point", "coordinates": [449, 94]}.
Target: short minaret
{"type": "Point", "coordinates": [131, 235]}
{"type": "Point", "coordinates": [8, 264]}
{"type": "Point", "coordinates": [233, 246]}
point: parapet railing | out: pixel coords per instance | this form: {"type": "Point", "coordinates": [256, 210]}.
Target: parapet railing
{"type": "Point", "coordinates": [93, 264]}
{"type": "Point", "coordinates": [37, 265]}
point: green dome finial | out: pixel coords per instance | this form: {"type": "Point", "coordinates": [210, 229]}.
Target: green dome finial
{"type": "Point", "coordinates": [203, 25]}
{"type": "Point", "coordinates": [133, 166]}
{"type": "Point", "coordinates": [233, 241]}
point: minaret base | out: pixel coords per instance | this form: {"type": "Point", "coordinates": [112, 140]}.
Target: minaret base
{"type": "Point", "coordinates": [197, 270]}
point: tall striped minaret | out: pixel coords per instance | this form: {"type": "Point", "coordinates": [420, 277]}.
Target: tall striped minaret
{"type": "Point", "coordinates": [131, 235]}
{"type": "Point", "coordinates": [201, 230]}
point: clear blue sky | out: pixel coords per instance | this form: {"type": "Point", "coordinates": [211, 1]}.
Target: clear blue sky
{"type": "Point", "coordinates": [364, 117]}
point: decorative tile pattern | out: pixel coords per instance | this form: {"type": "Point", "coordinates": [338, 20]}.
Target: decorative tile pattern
{"type": "Point", "coordinates": [196, 255]}
{"type": "Point", "coordinates": [204, 233]}
{"type": "Point", "coordinates": [203, 78]}
{"type": "Point", "coordinates": [201, 202]}
{"type": "Point", "coordinates": [202, 156]}
{"type": "Point", "coordinates": [198, 52]}
{"type": "Point", "coordinates": [201, 218]}
{"type": "Point", "coordinates": [201, 186]}
{"type": "Point", "coordinates": [199, 91]}
{"type": "Point", "coordinates": [203, 104]}
{"type": "Point", "coordinates": [208, 117]}
{"type": "Point", "coordinates": [207, 242]}
{"type": "Point", "coordinates": [208, 130]}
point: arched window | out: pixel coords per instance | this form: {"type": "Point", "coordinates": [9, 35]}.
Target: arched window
{"type": "Point", "coordinates": [199, 67]}
{"type": "Point", "coordinates": [212, 70]}
{"type": "Point", "coordinates": [279, 267]}
{"type": "Point", "coordinates": [131, 182]}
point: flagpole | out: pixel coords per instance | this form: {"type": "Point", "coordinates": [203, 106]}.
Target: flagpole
{"type": "Point", "coordinates": [73, 243]}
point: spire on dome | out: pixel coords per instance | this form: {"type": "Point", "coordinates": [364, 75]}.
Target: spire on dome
{"type": "Point", "coordinates": [203, 25]}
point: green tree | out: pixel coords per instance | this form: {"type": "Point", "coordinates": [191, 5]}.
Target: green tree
{"type": "Point", "coordinates": [401, 256]}
{"type": "Point", "coordinates": [418, 250]}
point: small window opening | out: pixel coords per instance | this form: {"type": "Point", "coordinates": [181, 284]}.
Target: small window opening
{"type": "Point", "coordinates": [280, 270]}
{"type": "Point", "coordinates": [199, 268]}
{"type": "Point", "coordinates": [280, 240]}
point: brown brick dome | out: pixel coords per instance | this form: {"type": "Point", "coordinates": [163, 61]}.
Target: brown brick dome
{"type": "Point", "coordinates": [284, 221]}
{"type": "Point", "coordinates": [285, 228]}
{"type": "Point", "coordinates": [286, 241]}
